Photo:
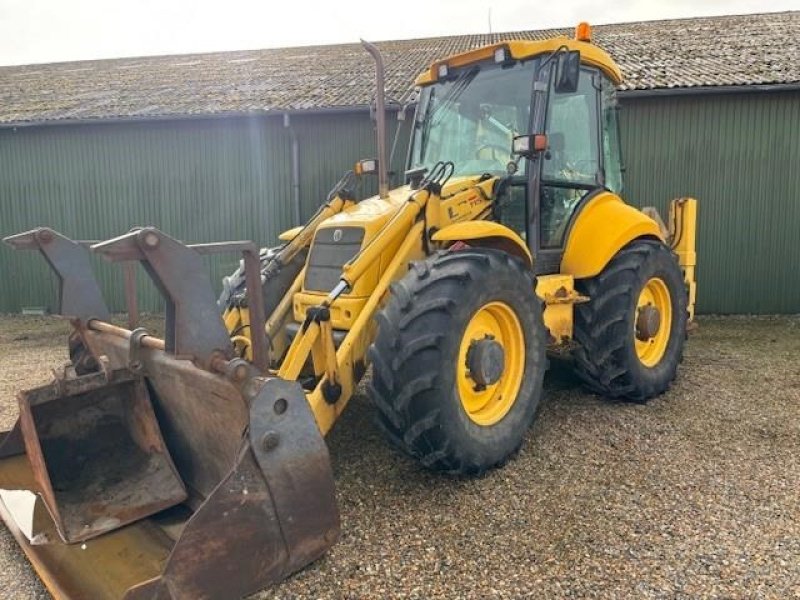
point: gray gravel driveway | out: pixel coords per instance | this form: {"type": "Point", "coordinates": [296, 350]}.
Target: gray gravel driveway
{"type": "Point", "coordinates": [696, 494]}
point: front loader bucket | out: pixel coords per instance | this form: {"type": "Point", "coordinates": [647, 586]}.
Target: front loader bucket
{"type": "Point", "coordinates": [97, 453]}
{"type": "Point", "coordinates": [172, 471]}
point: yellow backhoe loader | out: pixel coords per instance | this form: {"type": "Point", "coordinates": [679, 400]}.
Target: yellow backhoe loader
{"type": "Point", "coordinates": [195, 466]}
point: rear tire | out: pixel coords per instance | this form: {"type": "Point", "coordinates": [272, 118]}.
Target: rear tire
{"type": "Point", "coordinates": [417, 382]}
{"type": "Point", "coordinates": [609, 359]}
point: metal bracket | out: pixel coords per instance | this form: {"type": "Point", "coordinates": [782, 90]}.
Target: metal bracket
{"type": "Point", "coordinates": [79, 294]}
{"type": "Point", "coordinates": [194, 327]}
{"type": "Point", "coordinates": [255, 294]}
{"type": "Point", "coordinates": [272, 514]}
{"type": "Point", "coordinates": [135, 363]}
{"type": "Point", "coordinates": [283, 431]}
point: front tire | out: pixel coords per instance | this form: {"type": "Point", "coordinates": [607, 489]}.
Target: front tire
{"type": "Point", "coordinates": [458, 360]}
{"type": "Point", "coordinates": [631, 333]}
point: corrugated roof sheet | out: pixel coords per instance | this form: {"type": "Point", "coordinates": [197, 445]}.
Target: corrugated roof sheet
{"type": "Point", "coordinates": [712, 51]}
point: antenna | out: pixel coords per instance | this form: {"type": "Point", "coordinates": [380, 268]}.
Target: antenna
{"type": "Point", "coordinates": [490, 20]}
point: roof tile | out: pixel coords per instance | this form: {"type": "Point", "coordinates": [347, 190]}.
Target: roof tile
{"type": "Point", "coordinates": [710, 51]}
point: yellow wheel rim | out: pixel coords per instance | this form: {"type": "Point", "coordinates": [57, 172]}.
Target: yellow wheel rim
{"type": "Point", "coordinates": [487, 403]}
{"type": "Point", "coordinates": [652, 322]}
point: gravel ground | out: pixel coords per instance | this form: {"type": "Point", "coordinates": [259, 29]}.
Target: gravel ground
{"type": "Point", "coordinates": [694, 495]}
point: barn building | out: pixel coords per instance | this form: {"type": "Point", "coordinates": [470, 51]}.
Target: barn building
{"type": "Point", "coordinates": [239, 145]}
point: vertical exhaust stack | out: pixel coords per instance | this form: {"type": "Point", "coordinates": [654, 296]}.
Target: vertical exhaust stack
{"type": "Point", "coordinates": [380, 115]}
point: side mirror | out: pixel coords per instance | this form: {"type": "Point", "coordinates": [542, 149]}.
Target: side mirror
{"type": "Point", "coordinates": [568, 69]}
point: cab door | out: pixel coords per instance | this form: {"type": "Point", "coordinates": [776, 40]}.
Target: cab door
{"type": "Point", "coordinates": [572, 169]}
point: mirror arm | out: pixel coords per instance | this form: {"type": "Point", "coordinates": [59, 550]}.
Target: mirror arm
{"type": "Point", "coordinates": [552, 55]}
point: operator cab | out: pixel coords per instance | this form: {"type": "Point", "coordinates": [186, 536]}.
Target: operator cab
{"type": "Point", "coordinates": [472, 107]}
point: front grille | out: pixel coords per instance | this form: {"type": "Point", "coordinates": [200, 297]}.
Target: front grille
{"type": "Point", "coordinates": [332, 248]}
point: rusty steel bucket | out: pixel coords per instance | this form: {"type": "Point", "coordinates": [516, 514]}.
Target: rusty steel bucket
{"type": "Point", "coordinates": [97, 453]}
{"type": "Point", "coordinates": [162, 469]}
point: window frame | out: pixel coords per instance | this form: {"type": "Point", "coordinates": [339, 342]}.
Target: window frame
{"type": "Point", "coordinates": [605, 81]}
{"type": "Point", "coordinates": [424, 97]}
{"type": "Point", "coordinates": [548, 259]}
{"type": "Point", "coordinates": [599, 176]}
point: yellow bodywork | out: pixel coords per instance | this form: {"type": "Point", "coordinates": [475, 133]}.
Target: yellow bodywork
{"type": "Point", "coordinates": [488, 232]}
{"type": "Point", "coordinates": [521, 49]}
{"type": "Point", "coordinates": [683, 236]}
{"type": "Point", "coordinates": [600, 230]}
{"type": "Point", "coordinates": [559, 296]}
{"type": "Point", "coordinates": [462, 200]}
{"type": "Point", "coordinates": [322, 335]}
{"type": "Point", "coordinates": [393, 237]}
{"type": "Point", "coordinates": [353, 348]}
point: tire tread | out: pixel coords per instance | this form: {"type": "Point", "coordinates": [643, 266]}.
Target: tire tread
{"type": "Point", "coordinates": [601, 359]}
{"type": "Point", "coordinates": [406, 354]}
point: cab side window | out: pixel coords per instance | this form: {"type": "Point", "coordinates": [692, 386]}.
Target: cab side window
{"type": "Point", "coordinates": [511, 208]}
{"type": "Point", "coordinates": [573, 156]}
{"type": "Point", "coordinates": [572, 165]}
{"type": "Point", "coordinates": [612, 164]}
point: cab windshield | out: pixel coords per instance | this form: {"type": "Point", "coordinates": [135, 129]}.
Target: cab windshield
{"type": "Point", "coordinates": [472, 118]}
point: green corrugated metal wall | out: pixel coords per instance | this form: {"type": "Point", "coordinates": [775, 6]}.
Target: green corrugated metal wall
{"type": "Point", "coordinates": [217, 179]}
{"type": "Point", "coordinates": [196, 179]}
{"type": "Point", "coordinates": [739, 154]}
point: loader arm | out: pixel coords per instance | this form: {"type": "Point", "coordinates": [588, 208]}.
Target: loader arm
{"type": "Point", "coordinates": [437, 204]}
{"type": "Point", "coordinates": [237, 318]}
{"type": "Point", "coordinates": [315, 340]}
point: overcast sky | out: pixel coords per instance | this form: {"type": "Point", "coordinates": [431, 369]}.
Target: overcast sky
{"type": "Point", "coordinates": [35, 31]}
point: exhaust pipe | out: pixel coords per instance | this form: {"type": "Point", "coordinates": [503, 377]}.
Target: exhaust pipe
{"type": "Point", "coordinates": [380, 115]}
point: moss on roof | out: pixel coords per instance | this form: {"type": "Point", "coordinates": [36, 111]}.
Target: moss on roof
{"type": "Point", "coordinates": [683, 53]}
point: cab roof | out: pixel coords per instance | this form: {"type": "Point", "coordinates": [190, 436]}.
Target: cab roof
{"type": "Point", "coordinates": [591, 55]}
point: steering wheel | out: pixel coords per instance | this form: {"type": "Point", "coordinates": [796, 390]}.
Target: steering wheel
{"type": "Point", "coordinates": [494, 148]}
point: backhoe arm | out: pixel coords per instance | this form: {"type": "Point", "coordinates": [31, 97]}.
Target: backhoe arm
{"type": "Point", "coordinates": [683, 236]}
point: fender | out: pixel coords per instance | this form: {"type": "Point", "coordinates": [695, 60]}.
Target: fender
{"type": "Point", "coordinates": [600, 230]}
{"type": "Point", "coordinates": [486, 234]}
